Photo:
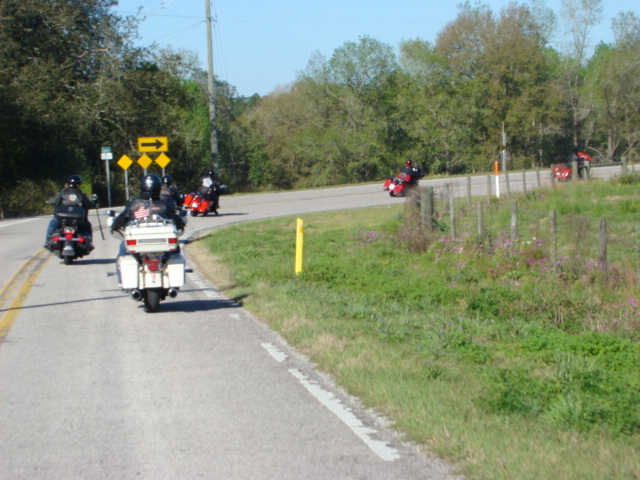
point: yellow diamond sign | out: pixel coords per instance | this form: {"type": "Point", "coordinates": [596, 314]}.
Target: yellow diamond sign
{"type": "Point", "coordinates": [163, 160]}
{"type": "Point", "coordinates": [144, 161]}
{"type": "Point", "coordinates": [125, 162]}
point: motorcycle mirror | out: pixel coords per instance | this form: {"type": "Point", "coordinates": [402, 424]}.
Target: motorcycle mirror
{"type": "Point", "coordinates": [110, 213]}
{"type": "Point", "coordinates": [93, 197]}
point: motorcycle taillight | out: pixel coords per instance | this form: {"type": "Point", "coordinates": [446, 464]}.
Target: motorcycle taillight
{"type": "Point", "coordinates": [153, 265]}
{"type": "Point", "coordinates": [68, 236]}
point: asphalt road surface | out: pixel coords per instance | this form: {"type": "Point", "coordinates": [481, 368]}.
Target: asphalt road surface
{"type": "Point", "coordinates": [92, 387]}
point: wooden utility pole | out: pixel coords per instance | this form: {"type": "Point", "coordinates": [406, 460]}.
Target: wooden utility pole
{"type": "Point", "coordinates": [212, 99]}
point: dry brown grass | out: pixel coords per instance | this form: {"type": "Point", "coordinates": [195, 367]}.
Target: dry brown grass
{"type": "Point", "coordinates": [208, 265]}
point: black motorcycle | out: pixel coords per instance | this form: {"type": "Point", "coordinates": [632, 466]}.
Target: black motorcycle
{"type": "Point", "coordinates": [66, 241]}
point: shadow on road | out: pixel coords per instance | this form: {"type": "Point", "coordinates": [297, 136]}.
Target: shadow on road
{"type": "Point", "coordinates": [192, 306]}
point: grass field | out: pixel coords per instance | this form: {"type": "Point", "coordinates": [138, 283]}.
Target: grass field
{"type": "Point", "coordinates": [480, 347]}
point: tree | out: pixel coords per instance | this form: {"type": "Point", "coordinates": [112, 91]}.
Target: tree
{"type": "Point", "coordinates": [502, 61]}
{"type": "Point", "coordinates": [580, 16]}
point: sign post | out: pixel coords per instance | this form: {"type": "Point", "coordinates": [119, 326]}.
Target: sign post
{"type": "Point", "coordinates": [106, 155]}
{"type": "Point", "coordinates": [124, 163]}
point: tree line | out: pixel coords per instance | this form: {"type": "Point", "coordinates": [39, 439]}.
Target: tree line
{"type": "Point", "coordinates": [72, 80]}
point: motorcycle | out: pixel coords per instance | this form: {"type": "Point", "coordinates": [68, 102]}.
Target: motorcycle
{"type": "Point", "coordinates": [151, 267]}
{"type": "Point", "coordinates": [204, 202]}
{"type": "Point", "coordinates": [66, 241]}
{"type": "Point", "coordinates": [401, 185]}
{"type": "Point", "coordinates": [563, 172]}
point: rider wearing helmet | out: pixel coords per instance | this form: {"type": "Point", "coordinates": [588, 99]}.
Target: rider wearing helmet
{"type": "Point", "coordinates": [413, 172]}
{"type": "Point", "coordinates": [209, 188]}
{"type": "Point", "coordinates": [169, 192]}
{"type": "Point", "coordinates": [148, 204]}
{"type": "Point", "coordinates": [71, 194]}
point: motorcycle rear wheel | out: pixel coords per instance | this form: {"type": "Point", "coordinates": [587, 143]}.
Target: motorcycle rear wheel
{"type": "Point", "coordinates": [68, 259]}
{"type": "Point", "coordinates": [194, 213]}
{"type": "Point", "coordinates": [152, 300]}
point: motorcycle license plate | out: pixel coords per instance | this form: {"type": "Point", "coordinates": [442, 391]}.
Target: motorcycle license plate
{"type": "Point", "coordinates": [153, 279]}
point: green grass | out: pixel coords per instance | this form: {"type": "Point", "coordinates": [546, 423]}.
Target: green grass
{"type": "Point", "coordinates": [479, 347]}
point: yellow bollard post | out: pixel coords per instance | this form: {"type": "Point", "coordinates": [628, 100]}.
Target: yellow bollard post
{"type": "Point", "coordinates": [299, 242]}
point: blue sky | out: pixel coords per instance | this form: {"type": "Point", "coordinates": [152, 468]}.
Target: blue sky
{"type": "Point", "coordinates": [260, 45]}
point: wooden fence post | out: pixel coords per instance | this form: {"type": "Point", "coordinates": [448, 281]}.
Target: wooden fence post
{"type": "Point", "coordinates": [514, 221]}
{"type": "Point", "coordinates": [538, 176]}
{"type": "Point", "coordinates": [524, 181]}
{"type": "Point", "coordinates": [480, 221]}
{"type": "Point", "coordinates": [506, 179]}
{"type": "Point", "coordinates": [469, 190]}
{"type": "Point", "coordinates": [452, 216]}
{"type": "Point", "coordinates": [554, 238]}
{"type": "Point", "coordinates": [427, 208]}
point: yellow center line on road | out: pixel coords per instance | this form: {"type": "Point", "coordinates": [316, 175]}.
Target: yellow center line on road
{"type": "Point", "coordinates": [17, 277]}
{"type": "Point", "coordinates": [9, 318]}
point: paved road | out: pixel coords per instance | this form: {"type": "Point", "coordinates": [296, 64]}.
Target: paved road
{"type": "Point", "coordinates": [93, 387]}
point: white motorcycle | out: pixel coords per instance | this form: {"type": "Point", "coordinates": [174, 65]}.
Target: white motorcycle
{"type": "Point", "coordinates": [151, 267]}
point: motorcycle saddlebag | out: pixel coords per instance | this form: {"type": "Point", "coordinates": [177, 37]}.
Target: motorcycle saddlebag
{"type": "Point", "coordinates": [176, 270]}
{"type": "Point", "coordinates": [562, 173]}
{"type": "Point", "coordinates": [188, 199]}
{"type": "Point", "coordinates": [204, 206]}
{"type": "Point", "coordinates": [127, 266]}
{"type": "Point", "coordinates": [387, 183]}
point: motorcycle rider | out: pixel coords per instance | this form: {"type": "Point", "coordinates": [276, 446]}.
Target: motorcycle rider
{"type": "Point", "coordinates": [71, 194]}
{"type": "Point", "coordinates": [209, 189]}
{"type": "Point", "coordinates": [414, 173]}
{"type": "Point", "coordinates": [169, 192]}
{"type": "Point", "coordinates": [147, 204]}
{"type": "Point", "coordinates": [581, 159]}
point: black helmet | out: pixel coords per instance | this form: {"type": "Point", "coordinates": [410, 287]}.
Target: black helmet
{"type": "Point", "coordinates": [150, 186]}
{"type": "Point", "coordinates": [212, 173]}
{"type": "Point", "coordinates": [167, 179]}
{"type": "Point", "coordinates": [74, 181]}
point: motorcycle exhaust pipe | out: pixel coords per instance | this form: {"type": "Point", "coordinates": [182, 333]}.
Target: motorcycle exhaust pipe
{"type": "Point", "coordinates": [173, 293]}
{"type": "Point", "coordinates": [136, 295]}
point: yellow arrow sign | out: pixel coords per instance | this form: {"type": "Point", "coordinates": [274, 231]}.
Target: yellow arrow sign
{"type": "Point", "coordinates": [153, 144]}
{"type": "Point", "coordinates": [163, 160]}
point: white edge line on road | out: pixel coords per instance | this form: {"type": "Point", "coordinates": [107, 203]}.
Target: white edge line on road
{"type": "Point", "coordinates": [278, 355]}
{"type": "Point", "coordinates": [329, 400]}
{"type": "Point", "coordinates": [204, 286]}
{"type": "Point", "coordinates": [10, 223]}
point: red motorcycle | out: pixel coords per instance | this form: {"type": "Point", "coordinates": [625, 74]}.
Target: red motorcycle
{"type": "Point", "coordinates": [399, 186]}
{"type": "Point", "coordinates": [197, 204]}
{"type": "Point", "coordinates": [564, 172]}
{"type": "Point", "coordinates": [205, 200]}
